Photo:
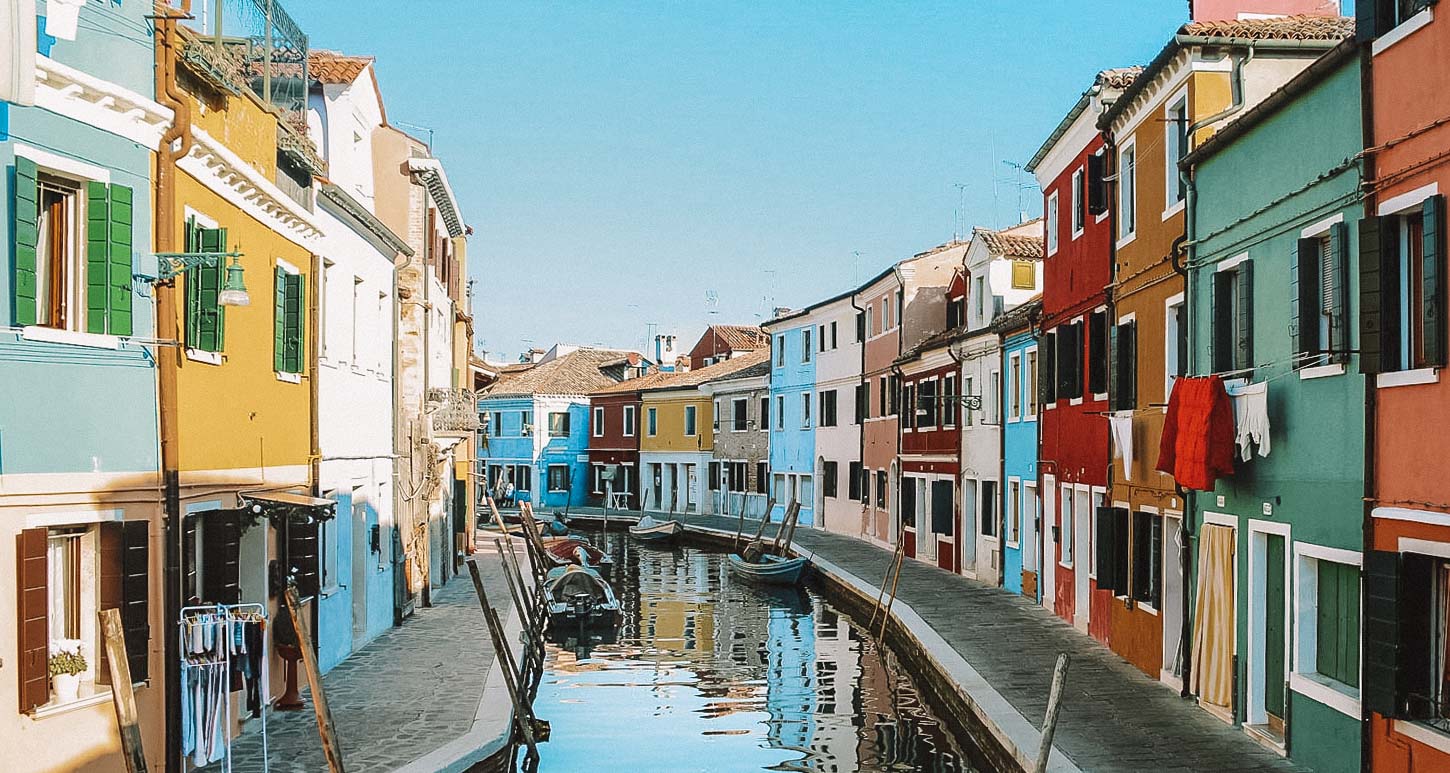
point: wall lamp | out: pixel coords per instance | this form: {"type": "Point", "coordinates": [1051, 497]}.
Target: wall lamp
{"type": "Point", "coordinates": [173, 264]}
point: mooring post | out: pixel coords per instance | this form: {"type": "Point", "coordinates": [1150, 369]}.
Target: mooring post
{"type": "Point", "coordinates": [1054, 703]}
{"type": "Point", "coordinates": [523, 717]}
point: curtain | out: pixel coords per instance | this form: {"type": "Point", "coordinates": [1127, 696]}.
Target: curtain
{"type": "Point", "coordinates": [1213, 636]}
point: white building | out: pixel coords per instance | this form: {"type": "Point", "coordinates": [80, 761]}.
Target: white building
{"type": "Point", "coordinates": [838, 427]}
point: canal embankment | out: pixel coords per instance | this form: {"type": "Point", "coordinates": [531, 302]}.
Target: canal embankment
{"type": "Point", "coordinates": [986, 658]}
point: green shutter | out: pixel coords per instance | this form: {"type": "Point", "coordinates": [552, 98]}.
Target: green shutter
{"type": "Point", "coordinates": [279, 323]}
{"type": "Point", "coordinates": [1244, 316]}
{"type": "Point", "coordinates": [1433, 278]}
{"type": "Point", "coordinates": [1303, 292]}
{"type": "Point", "coordinates": [118, 260]}
{"type": "Point", "coordinates": [1337, 299]}
{"type": "Point", "coordinates": [212, 319]}
{"type": "Point", "coordinates": [98, 219]}
{"type": "Point", "coordinates": [191, 243]}
{"type": "Point", "coordinates": [1378, 296]}
{"type": "Point", "coordinates": [26, 194]}
{"type": "Point", "coordinates": [294, 324]}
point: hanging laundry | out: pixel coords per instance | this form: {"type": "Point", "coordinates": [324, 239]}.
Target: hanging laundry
{"type": "Point", "coordinates": [1197, 446]}
{"type": "Point", "coordinates": [1120, 426]}
{"type": "Point", "coordinates": [1251, 418]}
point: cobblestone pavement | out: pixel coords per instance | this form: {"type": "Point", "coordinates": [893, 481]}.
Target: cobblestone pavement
{"type": "Point", "coordinates": [1113, 716]}
{"type": "Point", "coordinates": [406, 693]}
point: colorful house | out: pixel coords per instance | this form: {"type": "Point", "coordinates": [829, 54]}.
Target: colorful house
{"type": "Point", "coordinates": [1402, 342]}
{"type": "Point", "coordinates": [613, 444]}
{"type": "Point", "coordinates": [931, 444]}
{"type": "Point", "coordinates": [1023, 569]}
{"type": "Point", "coordinates": [1276, 210]}
{"type": "Point", "coordinates": [1077, 269]}
{"type": "Point", "coordinates": [81, 505]}
{"type": "Point", "coordinates": [793, 402]}
{"type": "Point", "coordinates": [538, 424]}
{"type": "Point", "coordinates": [1208, 74]}
{"type": "Point", "coordinates": [721, 342]}
{"type": "Point", "coordinates": [740, 464]}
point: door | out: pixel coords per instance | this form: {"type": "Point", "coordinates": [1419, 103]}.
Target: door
{"type": "Point", "coordinates": [926, 533]}
{"type": "Point", "coordinates": [1172, 603]}
{"type": "Point", "coordinates": [943, 505]}
{"type": "Point", "coordinates": [657, 474]}
{"type": "Point", "coordinates": [907, 515]}
{"type": "Point", "coordinates": [969, 526]}
{"type": "Point", "coordinates": [1082, 524]}
{"type": "Point", "coordinates": [362, 514]}
{"type": "Point", "coordinates": [1049, 542]}
{"type": "Point", "coordinates": [1274, 633]}
{"type": "Point", "coordinates": [691, 480]}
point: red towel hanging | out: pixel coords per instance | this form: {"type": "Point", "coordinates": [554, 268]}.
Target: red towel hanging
{"type": "Point", "coordinates": [1198, 433]}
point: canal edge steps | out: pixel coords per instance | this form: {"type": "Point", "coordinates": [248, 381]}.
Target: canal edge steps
{"type": "Point", "coordinates": [488, 739]}
{"type": "Point", "coordinates": [1006, 727]}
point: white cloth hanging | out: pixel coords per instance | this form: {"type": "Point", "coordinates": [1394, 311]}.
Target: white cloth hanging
{"type": "Point", "coordinates": [1120, 426]}
{"type": "Point", "coordinates": [61, 18]}
{"type": "Point", "coordinates": [1251, 418]}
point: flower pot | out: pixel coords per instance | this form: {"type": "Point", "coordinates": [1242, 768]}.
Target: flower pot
{"type": "Point", "coordinates": [67, 687]}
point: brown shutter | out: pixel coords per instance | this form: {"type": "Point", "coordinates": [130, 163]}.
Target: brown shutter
{"type": "Point", "coordinates": [136, 596]}
{"type": "Point", "coordinates": [221, 540]}
{"type": "Point", "coordinates": [33, 632]}
{"type": "Point", "coordinates": [111, 586]}
{"type": "Point", "coordinates": [302, 557]}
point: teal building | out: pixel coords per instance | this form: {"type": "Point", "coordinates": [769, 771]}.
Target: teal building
{"type": "Point", "coordinates": [1273, 279]}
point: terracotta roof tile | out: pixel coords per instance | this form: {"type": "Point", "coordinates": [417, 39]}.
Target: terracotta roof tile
{"type": "Point", "coordinates": [576, 373]}
{"type": "Point", "coordinates": [719, 370]}
{"type": "Point", "coordinates": [1120, 77]}
{"type": "Point", "coordinates": [332, 67]}
{"type": "Point", "coordinates": [1281, 28]}
{"type": "Point", "coordinates": [1009, 244]}
{"type": "Point", "coordinates": [741, 337]}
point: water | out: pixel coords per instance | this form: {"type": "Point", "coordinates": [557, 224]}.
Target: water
{"type": "Point", "coordinates": [713, 674]}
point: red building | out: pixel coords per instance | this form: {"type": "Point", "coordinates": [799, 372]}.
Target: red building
{"type": "Point", "coordinates": [931, 440]}
{"type": "Point", "coordinates": [721, 342]}
{"type": "Point", "coordinates": [614, 431]}
{"type": "Point", "coordinates": [1078, 267]}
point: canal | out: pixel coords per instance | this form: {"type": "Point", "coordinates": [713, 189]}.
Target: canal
{"type": "Point", "coordinates": [713, 674]}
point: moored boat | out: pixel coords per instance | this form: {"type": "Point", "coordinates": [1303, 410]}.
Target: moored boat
{"type": "Point", "coordinates": [769, 569]}
{"type": "Point", "coordinates": [650, 530]}
{"type": "Point", "coordinates": [579, 599]}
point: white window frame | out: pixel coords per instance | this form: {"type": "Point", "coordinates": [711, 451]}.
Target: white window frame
{"type": "Point", "coordinates": [1014, 387]}
{"type": "Point", "coordinates": [1170, 167]}
{"type": "Point", "coordinates": [1082, 321]}
{"type": "Point", "coordinates": [691, 417]}
{"type": "Point", "coordinates": [1054, 221]}
{"type": "Point", "coordinates": [652, 422]}
{"type": "Point", "coordinates": [779, 413]}
{"type": "Point", "coordinates": [994, 378]}
{"type": "Point", "coordinates": [746, 402]}
{"type": "Point", "coordinates": [1067, 525]}
{"type": "Point", "coordinates": [806, 410]}
{"type": "Point", "coordinates": [1078, 204]}
{"type": "Point", "coordinates": [598, 430]}
{"type": "Point", "coordinates": [629, 420]}
{"type": "Point", "coordinates": [1170, 343]}
{"type": "Point", "coordinates": [1013, 538]}
{"type": "Point", "coordinates": [1127, 201]}
{"type": "Point", "coordinates": [1029, 383]}
{"type": "Point", "coordinates": [806, 344]}
{"type": "Point", "coordinates": [1304, 677]}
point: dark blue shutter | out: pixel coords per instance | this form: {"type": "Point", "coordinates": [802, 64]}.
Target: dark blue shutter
{"type": "Point", "coordinates": [1303, 295]}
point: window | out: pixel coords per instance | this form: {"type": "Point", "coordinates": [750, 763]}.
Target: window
{"type": "Point", "coordinates": [913, 407]}
{"type": "Point", "coordinates": [1175, 142]}
{"type": "Point", "coordinates": [956, 310]}
{"type": "Point", "coordinates": [1175, 342]}
{"type": "Point", "coordinates": [862, 402]}
{"type": "Point", "coordinates": [900, 306]}
{"type": "Point", "coordinates": [1110, 544]}
{"type": "Point", "coordinates": [1329, 591]}
{"type": "Point", "coordinates": [1014, 512]}
{"type": "Point", "coordinates": [881, 397]}
{"type": "Point", "coordinates": [1069, 528]}
{"type": "Point", "coordinates": [779, 412]}
{"type": "Point", "coordinates": [1014, 387]}
{"type": "Point", "coordinates": [651, 420]}
{"type": "Point", "coordinates": [738, 418]}
{"type": "Point", "coordinates": [1047, 378]}
{"type": "Point", "coordinates": [527, 422]}
{"type": "Point", "coordinates": [1052, 225]}
{"type": "Point", "coordinates": [1097, 353]}
{"type": "Point", "coordinates": [860, 326]}
{"type": "Point", "coordinates": [1403, 256]}
{"type": "Point", "coordinates": [690, 427]}
{"type": "Point", "coordinates": [1097, 187]}
{"type": "Point", "coordinates": [806, 345]}
{"type": "Point", "coordinates": [1069, 346]}
{"type": "Point", "coordinates": [357, 286]}
{"type": "Point", "coordinates": [1319, 322]}
{"type": "Point", "coordinates": [1147, 557]}
{"type": "Point", "coordinates": [886, 322]}
{"type": "Point", "coordinates": [780, 351]}
{"type": "Point", "coordinates": [994, 411]}
{"type": "Point", "coordinates": [926, 406]}
{"type": "Point", "coordinates": [1079, 204]}
{"type": "Point", "coordinates": [1127, 192]}
{"type": "Point", "coordinates": [289, 320]}
{"type": "Point", "coordinates": [828, 408]}
{"type": "Point", "coordinates": [1125, 365]}
{"type": "Point", "coordinates": [988, 519]}
{"type": "Point", "coordinates": [828, 479]}
{"type": "Point", "coordinates": [950, 404]}
{"type": "Point", "coordinates": [968, 385]}
{"type": "Point", "coordinates": [600, 485]}
{"type": "Point", "coordinates": [713, 473]}
{"type": "Point", "coordinates": [911, 496]}
{"type": "Point", "coordinates": [497, 423]}
{"type": "Point", "coordinates": [805, 409]}
{"type": "Point", "coordinates": [881, 488]}
{"type": "Point", "coordinates": [558, 477]}
{"type": "Point", "coordinates": [72, 252]}
{"type": "Point", "coordinates": [764, 414]}
{"type": "Point", "coordinates": [205, 316]}
{"type": "Point", "coordinates": [738, 476]}
{"type": "Point", "coordinates": [1024, 275]}
{"type": "Point", "coordinates": [870, 322]}
{"type": "Point", "coordinates": [980, 293]}
{"type": "Point", "coordinates": [822, 338]}
{"type": "Point", "coordinates": [762, 478]}
{"type": "Point", "coordinates": [1030, 383]}
{"type": "Point", "coordinates": [629, 420]}
{"type": "Point", "coordinates": [719, 416]}
{"type": "Point", "coordinates": [599, 421]}
{"type": "Point", "coordinates": [1233, 334]}
{"type": "Point", "coordinates": [853, 481]}
{"type": "Point", "coordinates": [1405, 634]}
{"type": "Point", "coordinates": [558, 424]}
{"type": "Point", "coordinates": [835, 341]}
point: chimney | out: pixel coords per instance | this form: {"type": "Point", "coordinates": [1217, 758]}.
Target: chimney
{"type": "Point", "coordinates": [1220, 10]}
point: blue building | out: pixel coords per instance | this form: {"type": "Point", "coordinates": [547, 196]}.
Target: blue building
{"type": "Point", "coordinates": [793, 414]}
{"type": "Point", "coordinates": [1022, 569]}
{"type": "Point", "coordinates": [78, 127]}
{"type": "Point", "coordinates": [536, 422]}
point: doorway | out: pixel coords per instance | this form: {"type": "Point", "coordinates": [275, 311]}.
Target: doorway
{"type": "Point", "coordinates": [1048, 587]}
{"type": "Point", "coordinates": [1172, 602]}
{"type": "Point", "coordinates": [1268, 628]}
{"type": "Point", "coordinates": [943, 504]}
{"type": "Point", "coordinates": [657, 475]}
{"type": "Point", "coordinates": [969, 526]}
{"type": "Point", "coordinates": [1082, 525]}
{"type": "Point", "coordinates": [691, 479]}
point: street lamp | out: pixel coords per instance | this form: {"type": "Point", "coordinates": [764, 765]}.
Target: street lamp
{"type": "Point", "coordinates": [234, 290]}
{"type": "Point", "coordinates": [173, 264]}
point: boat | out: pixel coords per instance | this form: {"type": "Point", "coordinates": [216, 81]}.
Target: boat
{"type": "Point", "coordinates": [579, 600]}
{"type": "Point", "coordinates": [650, 530]}
{"type": "Point", "coordinates": [769, 569]}
{"type": "Point", "coordinates": [570, 551]}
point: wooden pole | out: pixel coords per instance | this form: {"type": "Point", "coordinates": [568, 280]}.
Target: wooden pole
{"type": "Point", "coordinates": [520, 599]}
{"type": "Point", "coordinates": [1054, 704]}
{"type": "Point", "coordinates": [791, 511]}
{"type": "Point", "coordinates": [769, 506]}
{"type": "Point", "coordinates": [121, 693]}
{"type": "Point", "coordinates": [523, 718]}
{"type": "Point", "coordinates": [330, 746]}
{"type": "Point", "coordinates": [896, 557]}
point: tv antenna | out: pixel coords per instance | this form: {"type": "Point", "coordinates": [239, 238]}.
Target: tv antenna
{"type": "Point", "coordinates": [959, 218]}
{"type": "Point", "coordinates": [1021, 186]}
{"type": "Point", "coordinates": [712, 302]}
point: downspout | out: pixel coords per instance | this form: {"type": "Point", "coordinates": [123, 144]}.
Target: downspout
{"type": "Point", "coordinates": [1371, 387]}
{"type": "Point", "coordinates": [168, 358]}
{"type": "Point", "coordinates": [895, 398]}
{"type": "Point", "coordinates": [314, 314]}
{"type": "Point", "coordinates": [860, 411]}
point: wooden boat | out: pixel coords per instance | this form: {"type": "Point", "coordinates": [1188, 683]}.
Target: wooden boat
{"type": "Point", "coordinates": [579, 600]}
{"type": "Point", "coordinates": [577, 552]}
{"type": "Point", "coordinates": [769, 569]}
{"type": "Point", "coordinates": [650, 530]}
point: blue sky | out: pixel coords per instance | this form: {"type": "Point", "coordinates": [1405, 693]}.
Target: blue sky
{"type": "Point", "coordinates": [621, 161]}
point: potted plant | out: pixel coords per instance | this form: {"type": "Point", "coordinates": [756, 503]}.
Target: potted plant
{"type": "Point", "coordinates": [66, 665]}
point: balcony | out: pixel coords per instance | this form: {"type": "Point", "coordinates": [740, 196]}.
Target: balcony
{"type": "Point", "coordinates": [454, 411]}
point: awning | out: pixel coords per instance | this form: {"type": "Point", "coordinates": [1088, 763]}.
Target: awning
{"type": "Point", "coordinates": [288, 498]}
{"type": "Point", "coordinates": [301, 508]}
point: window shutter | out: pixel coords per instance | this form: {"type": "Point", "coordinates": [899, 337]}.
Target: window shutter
{"type": "Point", "coordinates": [1378, 296]}
{"type": "Point", "coordinates": [1433, 277]}
{"type": "Point", "coordinates": [279, 319]}
{"type": "Point", "coordinates": [1047, 370]}
{"type": "Point", "coordinates": [221, 540]}
{"type": "Point", "coordinates": [1303, 295]}
{"type": "Point", "coordinates": [136, 597]}
{"type": "Point", "coordinates": [192, 277]}
{"type": "Point", "coordinates": [1372, 18]}
{"type": "Point", "coordinates": [111, 586]}
{"type": "Point", "coordinates": [1244, 315]}
{"type": "Point", "coordinates": [33, 631]}
{"type": "Point", "coordinates": [1064, 361]}
{"type": "Point", "coordinates": [1104, 548]}
{"type": "Point", "coordinates": [210, 316]}
{"type": "Point", "coordinates": [1098, 353]}
{"type": "Point", "coordinates": [98, 221]}
{"type": "Point", "coordinates": [1077, 360]}
{"type": "Point", "coordinates": [1335, 292]}
{"type": "Point", "coordinates": [1120, 549]}
{"type": "Point", "coordinates": [119, 296]}
{"type": "Point", "coordinates": [26, 195]}
{"type": "Point", "coordinates": [302, 557]}
{"type": "Point", "coordinates": [1097, 190]}
{"type": "Point", "coordinates": [295, 290]}
{"type": "Point", "coordinates": [1131, 388]}
{"type": "Point", "coordinates": [1221, 341]}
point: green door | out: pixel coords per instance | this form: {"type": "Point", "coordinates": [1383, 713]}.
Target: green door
{"type": "Point", "coordinates": [1274, 626]}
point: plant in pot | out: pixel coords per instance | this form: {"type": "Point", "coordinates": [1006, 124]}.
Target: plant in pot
{"type": "Point", "coordinates": [66, 665]}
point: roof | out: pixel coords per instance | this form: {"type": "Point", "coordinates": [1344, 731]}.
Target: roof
{"type": "Point", "coordinates": [1302, 31]}
{"type": "Point", "coordinates": [334, 67]}
{"type": "Point", "coordinates": [741, 337]}
{"type": "Point", "coordinates": [698, 376]}
{"type": "Point", "coordinates": [1019, 316]}
{"type": "Point", "coordinates": [1304, 81]}
{"type": "Point", "coordinates": [1116, 79]}
{"type": "Point", "coordinates": [576, 373]}
{"type": "Point", "coordinates": [1009, 244]}
{"type": "Point", "coordinates": [934, 341]}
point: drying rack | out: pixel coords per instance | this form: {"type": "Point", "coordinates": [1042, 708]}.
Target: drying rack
{"type": "Point", "coordinates": [212, 614]}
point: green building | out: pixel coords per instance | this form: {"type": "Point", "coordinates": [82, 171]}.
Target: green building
{"type": "Point", "coordinates": [1272, 268]}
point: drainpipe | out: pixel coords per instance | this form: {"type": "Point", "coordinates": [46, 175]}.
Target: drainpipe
{"type": "Point", "coordinates": [175, 144]}
{"type": "Point", "coordinates": [1236, 79]}
{"type": "Point", "coordinates": [860, 412]}
{"type": "Point", "coordinates": [895, 502]}
{"type": "Point", "coordinates": [1371, 393]}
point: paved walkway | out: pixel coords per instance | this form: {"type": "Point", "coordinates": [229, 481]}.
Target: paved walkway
{"type": "Point", "coordinates": [408, 692]}
{"type": "Point", "coordinates": [1113, 716]}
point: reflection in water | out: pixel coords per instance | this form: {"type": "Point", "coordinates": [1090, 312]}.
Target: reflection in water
{"type": "Point", "coordinates": [713, 674]}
